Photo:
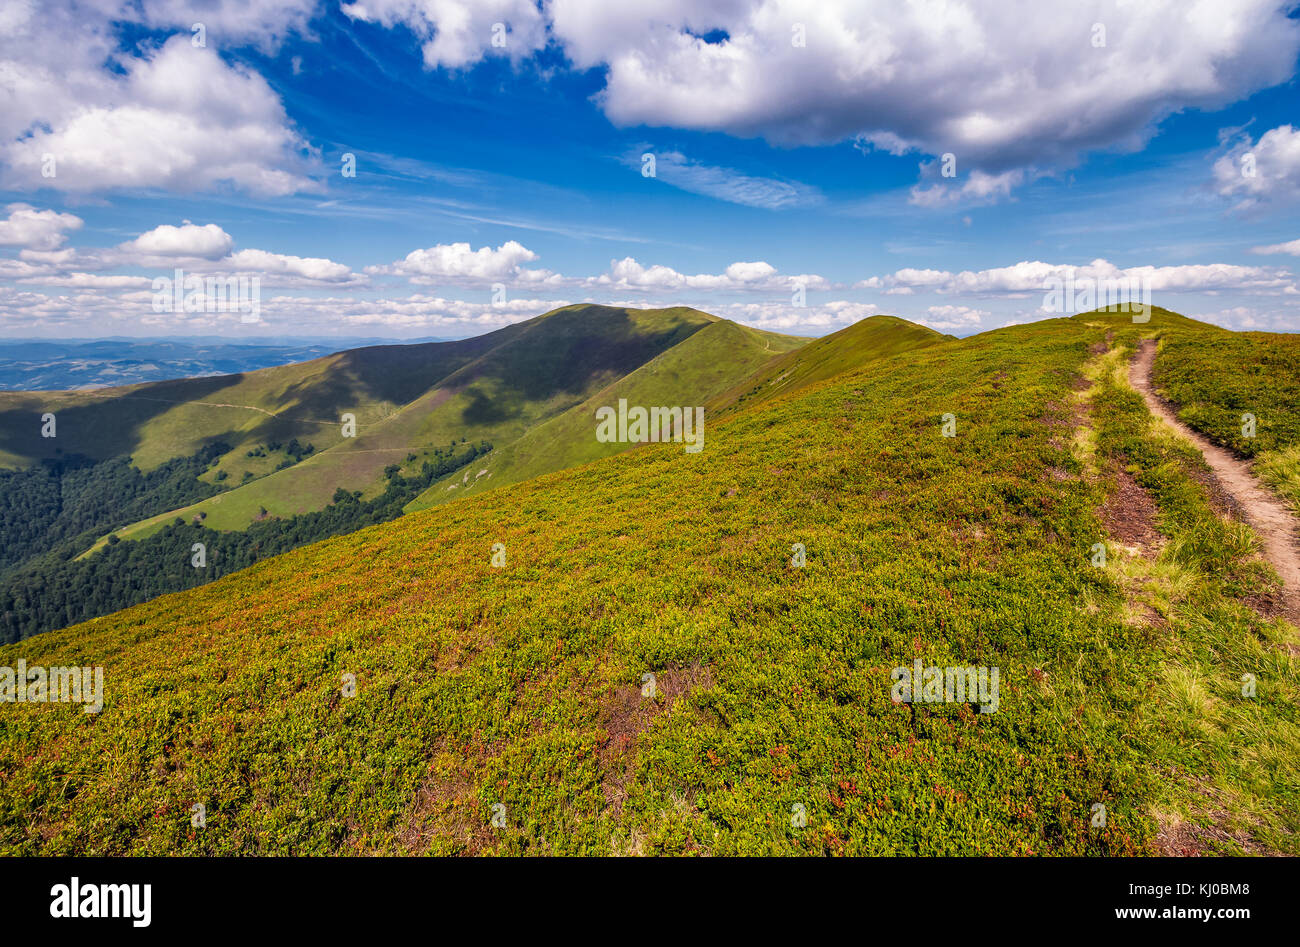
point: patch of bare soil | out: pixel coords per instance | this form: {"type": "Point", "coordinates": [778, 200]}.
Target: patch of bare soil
{"type": "Point", "coordinates": [626, 713]}
{"type": "Point", "coordinates": [1277, 528]}
{"type": "Point", "coordinates": [447, 805]}
{"type": "Point", "coordinates": [1183, 839]}
{"type": "Point", "coordinates": [1129, 514]}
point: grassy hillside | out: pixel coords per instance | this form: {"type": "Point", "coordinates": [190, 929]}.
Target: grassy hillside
{"type": "Point", "coordinates": [522, 694]}
{"type": "Point", "coordinates": [502, 386]}
{"type": "Point", "coordinates": [868, 339]}
{"type": "Point", "coordinates": [408, 400]}
{"type": "Point", "coordinates": [689, 373]}
{"type": "Point", "coordinates": [152, 423]}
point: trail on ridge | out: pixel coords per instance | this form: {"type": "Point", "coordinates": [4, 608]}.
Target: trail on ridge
{"type": "Point", "coordinates": [1278, 530]}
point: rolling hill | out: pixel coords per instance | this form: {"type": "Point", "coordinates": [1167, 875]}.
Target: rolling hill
{"type": "Point", "coordinates": [689, 373]}
{"type": "Point", "coordinates": [852, 347]}
{"type": "Point", "coordinates": [270, 469]}
{"type": "Point", "coordinates": [660, 652]}
{"type": "Point", "coordinates": [407, 401]}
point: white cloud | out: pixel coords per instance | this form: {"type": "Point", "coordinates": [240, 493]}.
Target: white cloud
{"type": "Point", "coordinates": [273, 265]}
{"type": "Point", "coordinates": [187, 240]}
{"type": "Point", "coordinates": [78, 115]}
{"type": "Point", "coordinates": [1251, 319]}
{"type": "Point", "coordinates": [977, 188]}
{"type": "Point", "coordinates": [921, 76]}
{"type": "Point", "coordinates": [1028, 277]}
{"type": "Point", "coordinates": [748, 272]}
{"type": "Point", "coordinates": [458, 33]}
{"type": "Point", "coordinates": [202, 249]}
{"type": "Point", "coordinates": [757, 276]}
{"type": "Point", "coordinates": [796, 320]}
{"type": "Point", "coordinates": [1265, 171]}
{"type": "Point", "coordinates": [896, 76]}
{"type": "Point", "coordinates": [459, 261]}
{"type": "Point", "coordinates": [1291, 247]}
{"type": "Point", "coordinates": [130, 312]}
{"type": "Point", "coordinates": [92, 281]}
{"type": "Point", "coordinates": [264, 22]}
{"type": "Point", "coordinates": [726, 184]}
{"type": "Point", "coordinates": [954, 318]}
{"type": "Point", "coordinates": [40, 230]}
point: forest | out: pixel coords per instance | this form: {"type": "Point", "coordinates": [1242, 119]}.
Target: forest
{"type": "Point", "coordinates": [51, 514]}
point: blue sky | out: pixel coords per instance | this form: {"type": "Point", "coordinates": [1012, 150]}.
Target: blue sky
{"type": "Point", "coordinates": [499, 161]}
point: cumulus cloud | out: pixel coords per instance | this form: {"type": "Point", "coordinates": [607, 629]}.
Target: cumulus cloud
{"type": "Point", "coordinates": [202, 249]}
{"type": "Point", "coordinates": [187, 240]}
{"type": "Point", "coordinates": [795, 320]}
{"type": "Point", "coordinates": [130, 312]}
{"type": "Point", "coordinates": [977, 188]}
{"type": "Point", "coordinates": [264, 22]}
{"type": "Point", "coordinates": [1252, 319]}
{"type": "Point", "coordinates": [757, 276]}
{"type": "Point", "coordinates": [1291, 247]}
{"type": "Point", "coordinates": [94, 281]}
{"type": "Point", "coordinates": [273, 265]}
{"type": "Point", "coordinates": [920, 77]}
{"type": "Point", "coordinates": [901, 77]}
{"type": "Point", "coordinates": [39, 230]}
{"type": "Point", "coordinates": [1263, 171]}
{"type": "Point", "coordinates": [458, 33]}
{"type": "Point", "coordinates": [459, 261]}
{"type": "Point", "coordinates": [954, 318]}
{"type": "Point", "coordinates": [1029, 277]}
{"type": "Point", "coordinates": [78, 115]}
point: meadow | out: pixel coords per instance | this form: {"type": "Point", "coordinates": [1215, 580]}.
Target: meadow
{"type": "Point", "coordinates": [506, 709]}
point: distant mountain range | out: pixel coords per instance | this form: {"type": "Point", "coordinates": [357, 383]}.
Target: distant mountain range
{"type": "Point", "coordinates": [78, 364]}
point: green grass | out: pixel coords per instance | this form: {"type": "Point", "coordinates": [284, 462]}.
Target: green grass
{"type": "Point", "coordinates": [520, 686]}
{"type": "Point", "coordinates": [1233, 761]}
{"type": "Point", "coordinates": [689, 373]}
{"type": "Point", "coordinates": [1215, 376]}
{"type": "Point", "coordinates": [851, 347]}
{"type": "Point", "coordinates": [407, 399]}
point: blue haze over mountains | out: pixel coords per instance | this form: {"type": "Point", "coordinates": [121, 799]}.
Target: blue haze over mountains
{"type": "Point", "coordinates": [58, 364]}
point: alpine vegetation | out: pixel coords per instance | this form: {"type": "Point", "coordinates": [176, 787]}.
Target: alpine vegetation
{"type": "Point", "coordinates": [638, 425]}
{"type": "Point", "coordinates": [1124, 294]}
{"type": "Point", "coordinates": [933, 685]}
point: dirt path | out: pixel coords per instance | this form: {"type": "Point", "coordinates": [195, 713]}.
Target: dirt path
{"type": "Point", "coordinates": [1278, 530]}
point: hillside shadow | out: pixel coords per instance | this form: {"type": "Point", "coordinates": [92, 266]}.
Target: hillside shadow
{"type": "Point", "coordinates": [570, 350]}
{"type": "Point", "coordinates": [104, 428]}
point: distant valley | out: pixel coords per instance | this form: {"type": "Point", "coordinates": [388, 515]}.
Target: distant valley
{"type": "Point", "coordinates": [58, 365]}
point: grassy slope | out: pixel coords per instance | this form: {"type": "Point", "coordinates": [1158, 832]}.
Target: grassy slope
{"type": "Point", "coordinates": [156, 421]}
{"type": "Point", "coordinates": [851, 347]}
{"type": "Point", "coordinates": [516, 379]}
{"type": "Point", "coordinates": [689, 373]}
{"type": "Point", "coordinates": [521, 685]}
